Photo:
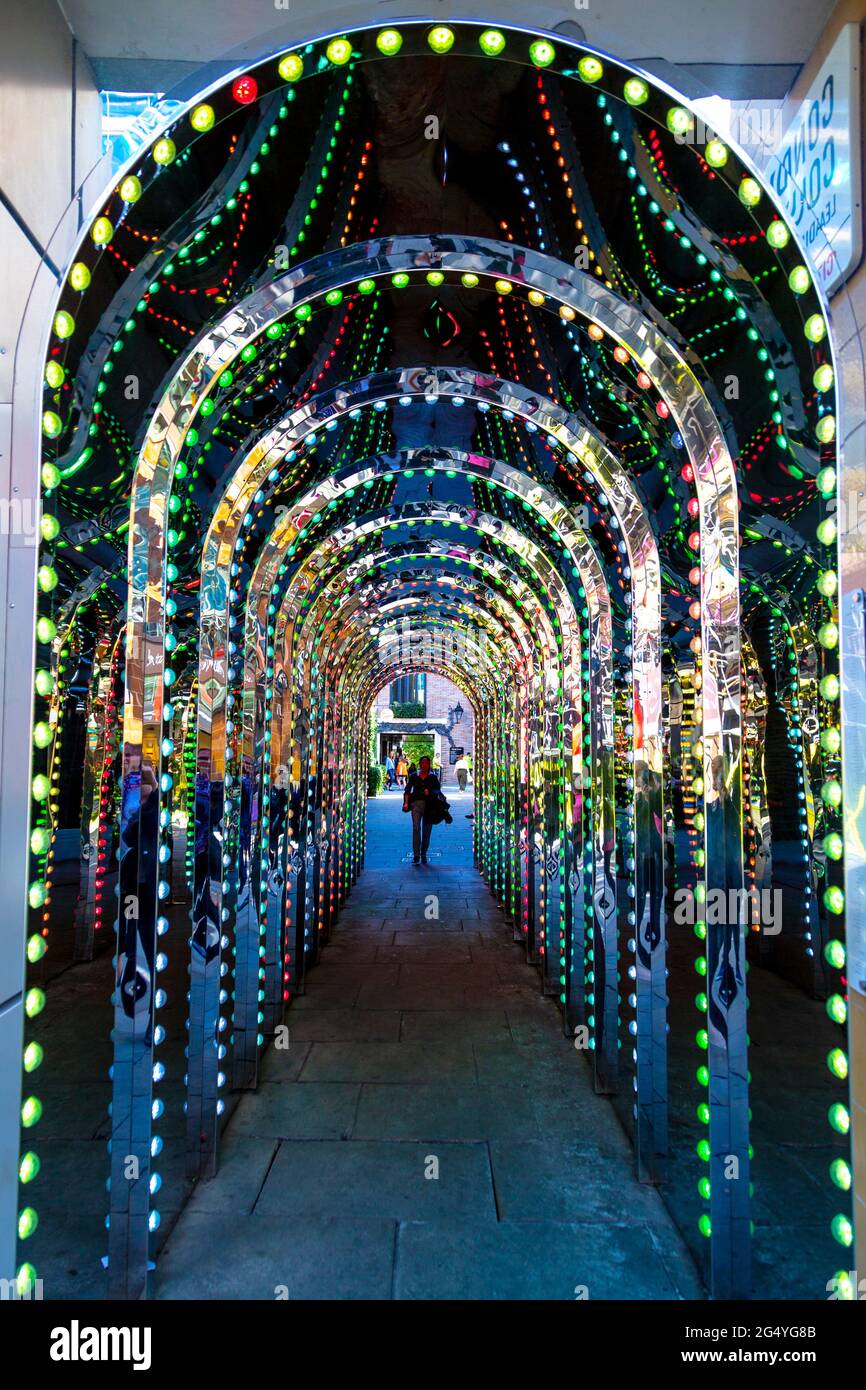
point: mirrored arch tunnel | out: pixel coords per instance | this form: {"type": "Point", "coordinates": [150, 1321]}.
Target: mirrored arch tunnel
{"type": "Point", "coordinates": [450, 349]}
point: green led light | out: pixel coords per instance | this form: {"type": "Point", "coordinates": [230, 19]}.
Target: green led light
{"type": "Point", "coordinates": [491, 42]}
{"type": "Point", "coordinates": [46, 630]}
{"type": "Point", "coordinates": [829, 687]}
{"type": "Point", "coordinates": [828, 635]}
{"type": "Point", "coordinates": [839, 1118]}
{"type": "Point", "coordinates": [836, 1008]}
{"type": "Point", "coordinates": [838, 1063]}
{"type": "Point", "coordinates": [130, 189]}
{"type": "Point", "coordinates": [826, 530]}
{"type": "Point", "coordinates": [52, 425]}
{"type": "Point", "coordinates": [31, 1112]}
{"type": "Point", "coordinates": [291, 67]}
{"type": "Point", "coordinates": [635, 91]}
{"type": "Point", "coordinates": [831, 740]}
{"type": "Point", "coordinates": [777, 234]}
{"type": "Point", "coordinates": [840, 1174]}
{"type": "Point", "coordinates": [40, 839]}
{"type": "Point", "coordinates": [815, 328]}
{"type": "Point", "coordinates": [834, 900]}
{"type": "Point", "coordinates": [823, 377]}
{"type": "Point", "coordinates": [833, 847]}
{"type": "Point", "coordinates": [825, 430]}
{"type": "Point", "coordinates": [79, 277]}
{"type": "Point", "coordinates": [102, 231]}
{"type": "Point", "coordinates": [441, 38]}
{"type": "Point", "coordinates": [678, 120]}
{"type": "Point", "coordinates": [164, 151]}
{"type": "Point", "coordinates": [49, 527]}
{"type": "Point", "coordinates": [589, 69]}
{"type": "Point", "coordinates": [202, 118]}
{"type": "Point", "coordinates": [842, 1230]}
{"type": "Point", "coordinates": [389, 42]}
{"type": "Point", "coordinates": [834, 951]}
{"type": "Point", "coordinates": [435, 277]}
{"type": "Point", "coordinates": [33, 1056]}
{"type": "Point", "coordinates": [469, 280]}
{"type": "Point", "coordinates": [29, 1167]}
{"type": "Point", "coordinates": [339, 51]}
{"type": "Point", "coordinates": [334, 297]}
{"type": "Point", "coordinates": [34, 1002]}
{"type": "Point", "coordinates": [64, 324]}
{"type": "Point", "coordinates": [366, 286]}
{"type": "Point", "coordinates": [750, 192]}
{"type": "Point", "coordinates": [54, 374]}
{"type": "Point", "coordinates": [799, 279]}
{"type": "Point", "coordinates": [716, 154]}
{"type": "Point", "coordinates": [827, 583]}
{"type": "Point", "coordinates": [27, 1223]}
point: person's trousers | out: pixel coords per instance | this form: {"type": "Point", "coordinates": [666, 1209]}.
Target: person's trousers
{"type": "Point", "coordinates": [420, 830]}
{"type": "Point", "coordinates": [461, 779]}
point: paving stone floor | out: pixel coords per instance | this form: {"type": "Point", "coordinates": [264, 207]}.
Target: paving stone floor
{"type": "Point", "coordinates": [429, 1133]}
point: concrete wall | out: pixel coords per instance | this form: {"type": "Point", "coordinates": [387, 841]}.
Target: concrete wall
{"type": "Point", "coordinates": [49, 118]}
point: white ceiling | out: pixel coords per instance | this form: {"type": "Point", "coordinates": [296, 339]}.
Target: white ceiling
{"type": "Point", "coordinates": [707, 33]}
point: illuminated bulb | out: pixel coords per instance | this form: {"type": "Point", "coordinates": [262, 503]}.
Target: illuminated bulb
{"type": "Point", "coordinates": [595, 332]}
{"type": "Point", "coordinates": [291, 67]}
{"type": "Point", "coordinates": [831, 740]}
{"type": "Point", "coordinates": [40, 839]}
{"type": "Point", "coordinates": [833, 848]}
{"type": "Point", "coordinates": [838, 1063]}
{"type": "Point", "coordinates": [825, 429]}
{"type": "Point", "coordinates": [64, 324]}
{"type": "Point", "coordinates": [839, 1118]}
{"type": "Point", "coordinates": [101, 231]}
{"type": "Point", "coordinates": [842, 1230]}
{"type": "Point", "coordinates": [777, 234]}
{"type": "Point", "coordinates": [52, 425]}
{"type": "Point", "coordinates": [164, 151]}
{"type": "Point", "coordinates": [716, 154]}
{"type": "Point", "coordinates": [46, 631]}
{"type": "Point", "coordinates": [826, 530]}
{"type": "Point", "coordinates": [836, 1008]}
{"type": "Point", "coordinates": [799, 279]}
{"type": "Point", "coordinates": [750, 192]}
{"type": "Point", "coordinates": [834, 900]}
{"type": "Point", "coordinates": [635, 91]}
{"type": "Point", "coordinates": [339, 51]}
{"type": "Point", "coordinates": [27, 1223]}
{"type": "Point", "coordinates": [590, 69]}
{"type": "Point", "coordinates": [34, 1002]}
{"type": "Point", "coordinates": [202, 118]}
{"type": "Point", "coordinates": [815, 328]}
{"type": "Point", "coordinates": [823, 377]}
{"type": "Point", "coordinates": [42, 734]}
{"type": "Point", "coordinates": [829, 687]}
{"type": "Point", "coordinates": [49, 526]}
{"type": "Point", "coordinates": [54, 374]}
{"type": "Point", "coordinates": [245, 90]}
{"type": "Point", "coordinates": [79, 276]}
{"type": "Point", "coordinates": [827, 583]}
{"type": "Point", "coordinates": [130, 189]}
{"type": "Point", "coordinates": [29, 1167]}
{"type": "Point", "coordinates": [502, 286]}
{"type": "Point", "coordinates": [828, 635]}
{"type": "Point", "coordinates": [535, 298]}
{"type": "Point", "coordinates": [491, 42]}
{"type": "Point", "coordinates": [47, 578]}
{"type": "Point", "coordinates": [678, 120]}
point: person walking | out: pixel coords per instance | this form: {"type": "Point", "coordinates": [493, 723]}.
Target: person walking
{"type": "Point", "coordinates": [420, 787]}
{"type": "Point", "coordinates": [389, 772]}
{"type": "Point", "coordinates": [401, 770]}
{"type": "Point", "coordinates": [461, 767]}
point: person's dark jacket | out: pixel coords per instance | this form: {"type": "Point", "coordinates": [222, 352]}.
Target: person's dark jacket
{"type": "Point", "coordinates": [419, 788]}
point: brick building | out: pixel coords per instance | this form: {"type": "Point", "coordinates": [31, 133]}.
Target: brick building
{"type": "Point", "coordinates": [426, 704]}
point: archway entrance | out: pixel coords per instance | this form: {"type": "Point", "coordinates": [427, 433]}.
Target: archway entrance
{"type": "Point", "coordinates": [448, 349]}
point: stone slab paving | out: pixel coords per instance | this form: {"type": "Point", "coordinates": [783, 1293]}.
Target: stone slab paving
{"type": "Point", "coordinates": [429, 1133]}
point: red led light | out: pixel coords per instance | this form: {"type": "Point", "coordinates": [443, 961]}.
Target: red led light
{"type": "Point", "coordinates": [687, 473]}
{"type": "Point", "coordinates": [643, 381]}
{"type": "Point", "coordinates": [245, 90]}
{"type": "Point", "coordinates": [662, 410]}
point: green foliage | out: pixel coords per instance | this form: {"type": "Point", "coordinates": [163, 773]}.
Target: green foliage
{"type": "Point", "coordinates": [375, 779]}
{"type": "Point", "coordinates": [409, 709]}
{"type": "Point", "coordinates": [416, 747]}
